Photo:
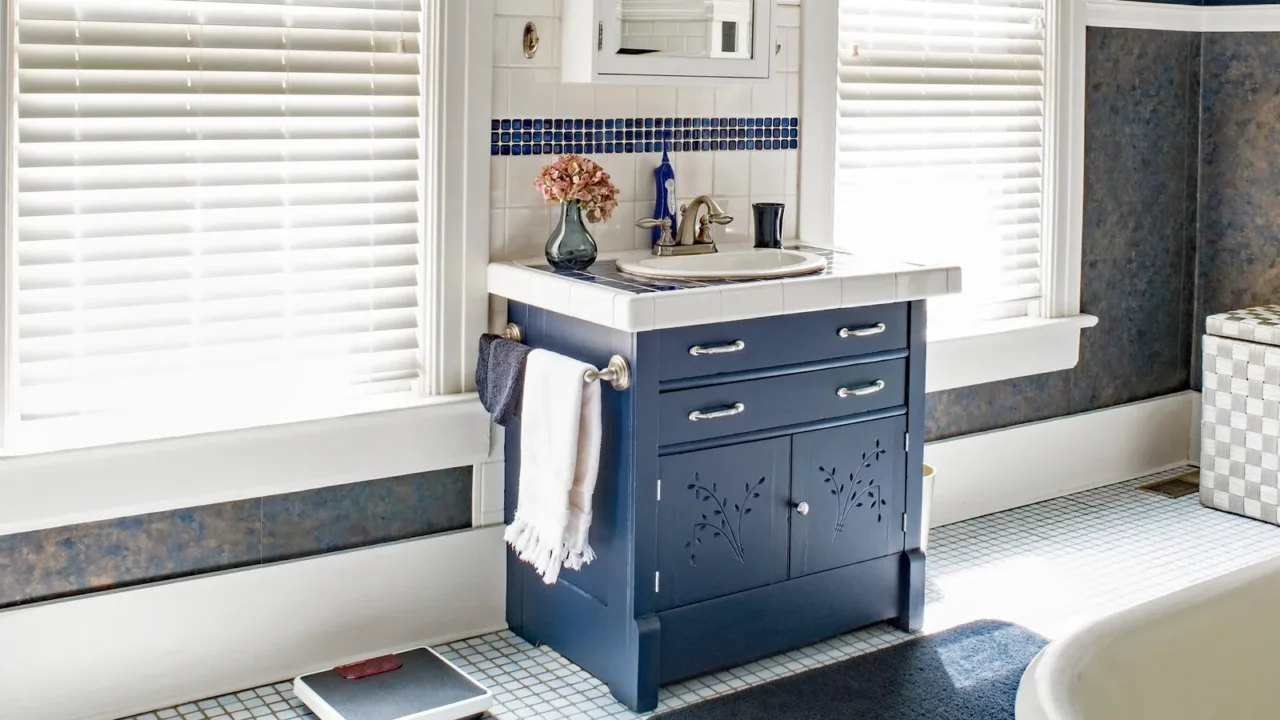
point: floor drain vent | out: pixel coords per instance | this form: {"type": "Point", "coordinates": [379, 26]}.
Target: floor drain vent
{"type": "Point", "coordinates": [1187, 483]}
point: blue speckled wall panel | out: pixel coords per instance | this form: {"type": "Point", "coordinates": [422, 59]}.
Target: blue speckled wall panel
{"type": "Point", "coordinates": [128, 551]}
{"type": "Point", "coordinates": [1139, 241]}
{"type": "Point", "coordinates": [348, 516]}
{"type": "Point", "coordinates": [1239, 259]}
{"type": "Point", "coordinates": [80, 559]}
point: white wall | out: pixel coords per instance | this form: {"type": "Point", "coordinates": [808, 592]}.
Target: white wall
{"type": "Point", "coordinates": [528, 88]}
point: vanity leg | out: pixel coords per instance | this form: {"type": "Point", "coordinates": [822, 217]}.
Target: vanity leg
{"type": "Point", "coordinates": [911, 593]}
{"type": "Point", "coordinates": [638, 687]}
{"type": "Point", "coordinates": [636, 699]}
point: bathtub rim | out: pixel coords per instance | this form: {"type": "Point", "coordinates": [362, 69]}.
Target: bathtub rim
{"type": "Point", "coordinates": [1045, 691]}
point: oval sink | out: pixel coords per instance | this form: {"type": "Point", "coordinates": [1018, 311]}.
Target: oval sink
{"type": "Point", "coordinates": [725, 265]}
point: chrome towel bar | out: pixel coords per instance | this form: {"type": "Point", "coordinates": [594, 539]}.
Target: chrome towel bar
{"type": "Point", "coordinates": [617, 373]}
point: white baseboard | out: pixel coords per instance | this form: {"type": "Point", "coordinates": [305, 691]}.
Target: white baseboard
{"type": "Point", "coordinates": [989, 472]}
{"type": "Point", "coordinates": [1140, 15]}
{"type": "Point", "coordinates": [118, 653]}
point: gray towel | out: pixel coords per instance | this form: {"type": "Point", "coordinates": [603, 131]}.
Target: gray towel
{"type": "Point", "coordinates": [500, 377]}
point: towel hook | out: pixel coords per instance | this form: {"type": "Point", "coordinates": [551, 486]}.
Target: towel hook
{"type": "Point", "coordinates": [617, 373]}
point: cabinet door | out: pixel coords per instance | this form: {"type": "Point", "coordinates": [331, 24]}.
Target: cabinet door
{"type": "Point", "coordinates": [852, 480]}
{"type": "Point", "coordinates": [722, 521]}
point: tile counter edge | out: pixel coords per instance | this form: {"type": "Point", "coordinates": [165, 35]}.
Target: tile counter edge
{"type": "Point", "coordinates": [631, 312]}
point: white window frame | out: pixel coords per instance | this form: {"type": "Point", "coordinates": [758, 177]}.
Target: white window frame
{"type": "Point", "coordinates": [447, 429]}
{"type": "Point", "coordinates": [958, 356]}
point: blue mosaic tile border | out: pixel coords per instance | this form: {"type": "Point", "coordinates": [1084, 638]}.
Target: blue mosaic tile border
{"type": "Point", "coordinates": [548, 136]}
{"type": "Point", "coordinates": [606, 274]}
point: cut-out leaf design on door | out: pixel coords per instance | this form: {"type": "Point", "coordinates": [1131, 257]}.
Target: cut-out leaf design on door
{"type": "Point", "coordinates": [858, 492]}
{"type": "Point", "coordinates": [724, 521]}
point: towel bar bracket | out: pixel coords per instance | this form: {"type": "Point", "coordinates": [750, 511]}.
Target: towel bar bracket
{"type": "Point", "coordinates": [617, 373]}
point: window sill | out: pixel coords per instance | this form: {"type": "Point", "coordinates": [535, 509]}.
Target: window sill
{"type": "Point", "coordinates": [76, 486]}
{"type": "Point", "coordinates": [960, 356]}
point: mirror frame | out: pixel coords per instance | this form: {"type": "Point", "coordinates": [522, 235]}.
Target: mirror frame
{"type": "Point", "coordinates": [758, 66]}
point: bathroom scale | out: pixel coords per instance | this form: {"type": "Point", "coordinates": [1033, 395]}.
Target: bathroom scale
{"type": "Point", "coordinates": [415, 684]}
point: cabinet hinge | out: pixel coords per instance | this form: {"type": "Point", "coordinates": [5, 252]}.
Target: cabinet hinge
{"type": "Point", "coordinates": [656, 583]}
{"type": "Point", "coordinates": [659, 490]}
{"type": "Point", "coordinates": [904, 522]}
{"type": "Point", "coordinates": [600, 37]}
{"type": "Point", "coordinates": [906, 443]}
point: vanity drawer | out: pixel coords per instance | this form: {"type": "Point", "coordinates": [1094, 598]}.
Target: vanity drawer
{"type": "Point", "coordinates": [781, 340]}
{"type": "Point", "coordinates": [733, 408]}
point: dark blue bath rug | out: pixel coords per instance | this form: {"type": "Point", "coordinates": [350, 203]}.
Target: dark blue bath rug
{"type": "Point", "coordinates": [967, 673]}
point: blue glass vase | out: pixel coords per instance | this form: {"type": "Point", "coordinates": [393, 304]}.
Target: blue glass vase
{"type": "Point", "coordinates": [571, 246]}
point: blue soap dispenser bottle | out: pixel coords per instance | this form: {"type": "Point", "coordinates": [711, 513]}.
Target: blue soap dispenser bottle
{"type": "Point", "coordinates": [665, 177]}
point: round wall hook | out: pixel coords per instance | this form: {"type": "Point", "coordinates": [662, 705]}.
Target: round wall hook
{"type": "Point", "coordinates": [530, 40]}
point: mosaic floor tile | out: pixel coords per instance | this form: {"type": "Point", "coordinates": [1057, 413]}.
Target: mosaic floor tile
{"type": "Point", "coordinates": [1048, 567]}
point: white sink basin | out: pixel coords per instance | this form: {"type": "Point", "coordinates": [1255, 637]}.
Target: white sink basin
{"type": "Point", "coordinates": [725, 265]}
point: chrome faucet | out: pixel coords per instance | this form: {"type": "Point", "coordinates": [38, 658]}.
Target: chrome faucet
{"type": "Point", "coordinates": [689, 242]}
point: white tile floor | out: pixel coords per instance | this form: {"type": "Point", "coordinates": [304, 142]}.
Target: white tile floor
{"type": "Point", "coordinates": [1047, 567]}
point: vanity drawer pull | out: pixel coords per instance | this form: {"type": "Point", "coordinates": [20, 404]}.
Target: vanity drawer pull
{"type": "Point", "coordinates": [735, 346]}
{"type": "Point", "coordinates": [871, 389]}
{"type": "Point", "coordinates": [863, 331]}
{"type": "Point", "coordinates": [737, 409]}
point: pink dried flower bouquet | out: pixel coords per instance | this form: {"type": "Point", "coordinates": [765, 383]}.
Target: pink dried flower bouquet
{"type": "Point", "coordinates": [573, 177]}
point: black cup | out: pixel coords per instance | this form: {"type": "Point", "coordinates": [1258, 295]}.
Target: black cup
{"type": "Point", "coordinates": [769, 224]}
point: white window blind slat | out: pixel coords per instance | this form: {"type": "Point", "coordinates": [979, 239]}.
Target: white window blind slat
{"type": "Point", "coordinates": [940, 140]}
{"type": "Point", "coordinates": [219, 208]}
{"type": "Point", "coordinates": [181, 245]}
{"type": "Point", "coordinates": [345, 17]}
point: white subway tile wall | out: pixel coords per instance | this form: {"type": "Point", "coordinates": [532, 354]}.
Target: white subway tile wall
{"type": "Point", "coordinates": [530, 87]}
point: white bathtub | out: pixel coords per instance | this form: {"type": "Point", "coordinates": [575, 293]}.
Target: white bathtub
{"type": "Point", "coordinates": [1209, 652]}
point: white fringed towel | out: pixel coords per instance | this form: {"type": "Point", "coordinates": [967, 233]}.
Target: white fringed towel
{"type": "Point", "coordinates": [559, 460]}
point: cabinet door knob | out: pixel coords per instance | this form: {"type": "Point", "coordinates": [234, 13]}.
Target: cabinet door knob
{"type": "Point", "coordinates": [871, 389]}
{"type": "Point", "coordinates": [802, 508]}
{"type": "Point", "coordinates": [863, 331]}
{"type": "Point", "coordinates": [733, 347]}
{"type": "Point", "coordinates": [737, 409]}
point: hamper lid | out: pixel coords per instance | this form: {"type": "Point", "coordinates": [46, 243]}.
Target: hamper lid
{"type": "Point", "coordinates": [1256, 324]}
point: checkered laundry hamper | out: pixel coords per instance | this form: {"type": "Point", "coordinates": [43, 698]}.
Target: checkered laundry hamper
{"type": "Point", "coordinates": [1240, 430]}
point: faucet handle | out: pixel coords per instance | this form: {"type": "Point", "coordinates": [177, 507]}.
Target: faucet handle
{"type": "Point", "coordinates": [704, 226]}
{"type": "Point", "coordinates": [666, 239]}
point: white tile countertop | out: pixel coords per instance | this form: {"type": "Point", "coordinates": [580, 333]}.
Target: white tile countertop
{"type": "Point", "coordinates": [605, 296]}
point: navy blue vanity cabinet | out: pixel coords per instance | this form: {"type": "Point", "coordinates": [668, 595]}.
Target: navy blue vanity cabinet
{"type": "Point", "coordinates": [759, 489]}
{"type": "Point", "coordinates": [723, 522]}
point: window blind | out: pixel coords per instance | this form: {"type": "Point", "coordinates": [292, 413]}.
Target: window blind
{"type": "Point", "coordinates": [218, 206]}
{"type": "Point", "coordinates": [940, 141]}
